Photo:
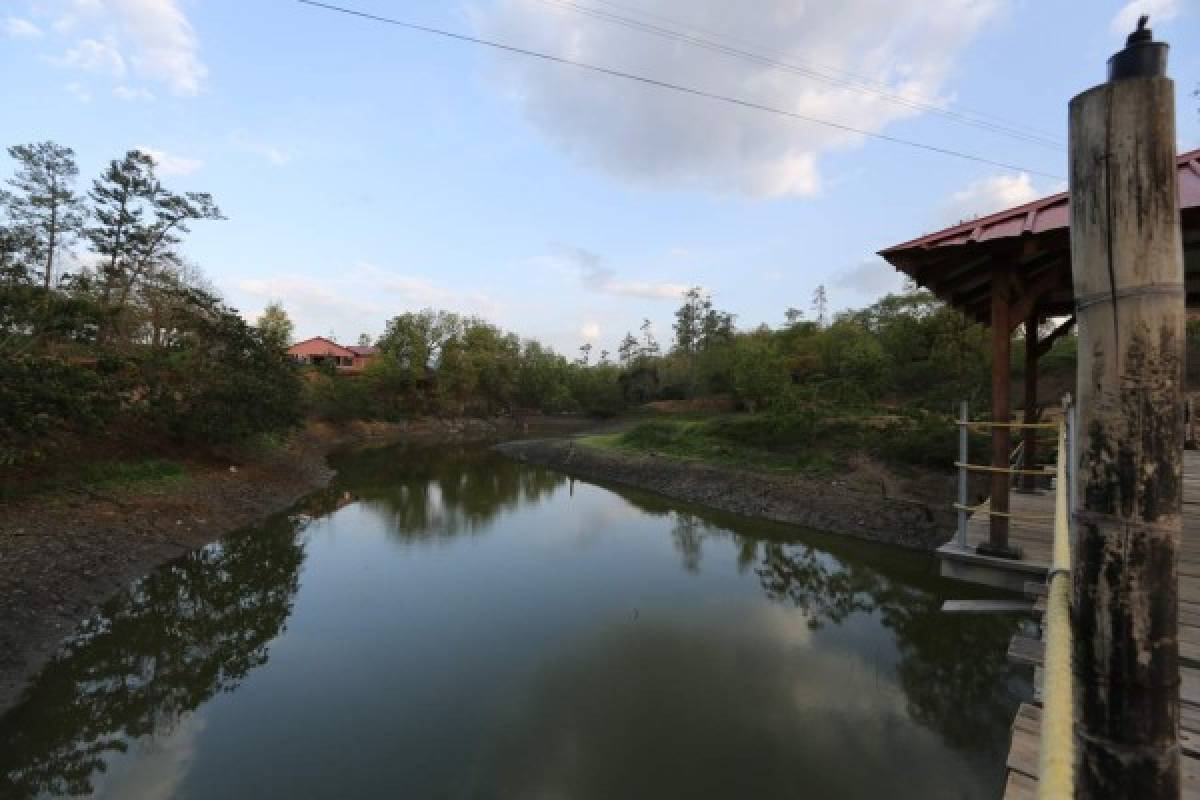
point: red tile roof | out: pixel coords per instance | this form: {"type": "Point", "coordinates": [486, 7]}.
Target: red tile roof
{"type": "Point", "coordinates": [361, 350]}
{"type": "Point", "coordinates": [300, 347]}
{"type": "Point", "coordinates": [1040, 216]}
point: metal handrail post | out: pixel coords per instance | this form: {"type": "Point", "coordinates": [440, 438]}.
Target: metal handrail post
{"type": "Point", "coordinates": [962, 474]}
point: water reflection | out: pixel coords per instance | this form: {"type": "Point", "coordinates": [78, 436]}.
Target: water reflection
{"type": "Point", "coordinates": [429, 494]}
{"type": "Point", "coordinates": [716, 705]}
{"type": "Point", "coordinates": [969, 701]}
{"type": "Point", "coordinates": [161, 649]}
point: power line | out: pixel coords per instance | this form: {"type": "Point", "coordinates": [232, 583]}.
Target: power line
{"type": "Point", "coordinates": [671, 86]}
{"type": "Point", "coordinates": [836, 71]}
{"type": "Point", "coordinates": [850, 81]}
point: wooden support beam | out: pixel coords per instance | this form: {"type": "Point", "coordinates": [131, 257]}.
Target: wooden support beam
{"type": "Point", "coordinates": [1001, 411]}
{"type": "Point", "coordinates": [1033, 292]}
{"type": "Point", "coordinates": [1032, 351]}
{"type": "Point", "coordinates": [1047, 341]}
{"type": "Point", "coordinates": [975, 297]}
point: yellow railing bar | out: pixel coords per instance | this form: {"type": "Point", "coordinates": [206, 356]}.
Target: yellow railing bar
{"type": "Point", "coordinates": [1057, 759]}
{"type": "Point", "coordinates": [1018, 517]}
{"type": "Point", "coordinates": [1046, 426]}
{"type": "Point", "coordinates": [1009, 470]}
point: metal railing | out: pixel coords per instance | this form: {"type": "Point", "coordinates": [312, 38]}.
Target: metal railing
{"type": "Point", "coordinates": [965, 468]}
{"type": "Point", "coordinates": [1056, 757]}
{"type": "Point", "coordinates": [1056, 764]}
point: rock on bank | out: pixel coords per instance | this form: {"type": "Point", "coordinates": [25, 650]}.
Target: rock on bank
{"type": "Point", "coordinates": [822, 504]}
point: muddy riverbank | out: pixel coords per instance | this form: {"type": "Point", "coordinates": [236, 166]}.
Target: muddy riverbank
{"type": "Point", "coordinates": [868, 502]}
{"type": "Point", "coordinates": [63, 553]}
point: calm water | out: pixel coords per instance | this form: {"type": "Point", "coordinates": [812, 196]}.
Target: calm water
{"type": "Point", "coordinates": [448, 624]}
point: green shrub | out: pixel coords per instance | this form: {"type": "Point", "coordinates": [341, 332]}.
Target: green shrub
{"type": "Point", "coordinates": [652, 434]}
{"type": "Point", "coordinates": [43, 396]}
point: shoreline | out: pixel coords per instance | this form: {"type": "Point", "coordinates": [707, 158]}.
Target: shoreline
{"type": "Point", "coordinates": [65, 553]}
{"type": "Point", "coordinates": [833, 506]}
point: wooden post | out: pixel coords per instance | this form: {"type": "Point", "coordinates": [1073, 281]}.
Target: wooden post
{"type": "Point", "coordinates": [1001, 411]}
{"type": "Point", "coordinates": [1029, 482]}
{"type": "Point", "coordinates": [1127, 262]}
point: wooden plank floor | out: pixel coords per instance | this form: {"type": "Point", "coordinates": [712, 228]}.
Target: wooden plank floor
{"type": "Point", "coordinates": [1030, 527]}
{"type": "Point", "coordinates": [1035, 543]}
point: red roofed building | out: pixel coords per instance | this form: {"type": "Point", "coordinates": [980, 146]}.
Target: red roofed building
{"type": "Point", "coordinates": [319, 351]}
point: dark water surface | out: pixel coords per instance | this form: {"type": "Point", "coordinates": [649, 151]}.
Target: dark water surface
{"type": "Point", "coordinates": [449, 624]}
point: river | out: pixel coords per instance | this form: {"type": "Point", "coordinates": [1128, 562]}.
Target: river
{"type": "Point", "coordinates": [446, 623]}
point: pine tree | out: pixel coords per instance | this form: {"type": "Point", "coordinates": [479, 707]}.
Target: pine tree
{"type": "Point", "coordinates": [44, 211]}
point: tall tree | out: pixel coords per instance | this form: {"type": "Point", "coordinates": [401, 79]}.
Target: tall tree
{"type": "Point", "coordinates": [689, 320]}
{"type": "Point", "coordinates": [118, 197]}
{"type": "Point", "coordinates": [43, 205]}
{"type": "Point", "coordinates": [275, 326]}
{"type": "Point", "coordinates": [820, 305]}
{"type": "Point", "coordinates": [627, 351]}
{"type": "Point", "coordinates": [650, 344]}
{"type": "Point", "coordinates": [139, 225]}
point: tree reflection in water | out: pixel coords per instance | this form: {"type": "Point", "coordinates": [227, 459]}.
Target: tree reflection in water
{"type": "Point", "coordinates": [968, 701]}
{"type": "Point", "coordinates": [155, 652]}
{"type": "Point", "coordinates": [430, 493]}
{"type": "Point", "coordinates": [200, 626]}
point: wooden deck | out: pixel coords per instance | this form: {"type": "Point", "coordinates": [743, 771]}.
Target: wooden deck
{"type": "Point", "coordinates": [1034, 540]}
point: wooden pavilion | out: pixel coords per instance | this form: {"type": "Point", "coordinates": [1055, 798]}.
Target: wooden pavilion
{"type": "Point", "coordinates": [1012, 268]}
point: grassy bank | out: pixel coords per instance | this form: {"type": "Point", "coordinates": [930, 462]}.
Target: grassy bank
{"type": "Point", "coordinates": [810, 443]}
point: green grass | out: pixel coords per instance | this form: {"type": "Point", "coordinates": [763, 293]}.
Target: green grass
{"type": "Point", "coordinates": [141, 474]}
{"type": "Point", "coordinates": [816, 443]}
{"type": "Point", "coordinates": [107, 475]}
{"type": "Point", "coordinates": [693, 439]}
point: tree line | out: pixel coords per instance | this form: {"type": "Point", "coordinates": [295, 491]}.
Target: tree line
{"type": "Point", "coordinates": [106, 331]}
{"type": "Point", "coordinates": [907, 349]}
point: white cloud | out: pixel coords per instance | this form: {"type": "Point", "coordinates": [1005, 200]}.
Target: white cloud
{"type": "Point", "coordinates": [93, 55]}
{"type": "Point", "coordinates": [1125, 20]}
{"type": "Point", "coordinates": [132, 94]}
{"type": "Point", "coordinates": [987, 196]}
{"type": "Point", "coordinates": [657, 137]}
{"type": "Point", "coordinates": [361, 299]}
{"type": "Point", "coordinates": [153, 38]}
{"type": "Point", "coordinates": [166, 46]}
{"type": "Point", "coordinates": [872, 278]}
{"type": "Point", "coordinates": [75, 13]}
{"type": "Point", "coordinates": [591, 270]}
{"type": "Point", "coordinates": [317, 306]}
{"type": "Point", "coordinates": [418, 291]}
{"type": "Point", "coordinates": [590, 331]}
{"type": "Point", "coordinates": [17, 28]}
{"type": "Point", "coordinates": [79, 92]}
{"type": "Point", "coordinates": [246, 143]}
{"type": "Point", "coordinates": [170, 164]}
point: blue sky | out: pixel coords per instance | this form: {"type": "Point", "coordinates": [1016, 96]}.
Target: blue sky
{"type": "Point", "coordinates": [368, 170]}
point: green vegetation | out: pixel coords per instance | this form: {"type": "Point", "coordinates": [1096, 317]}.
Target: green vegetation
{"type": "Point", "coordinates": [808, 442]}
{"type": "Point", "coordinates": [141, 474]}
{"type": "Point", "coordinates": [441, 363]}
{"type": "Point", "coordinates": [134, 346]}
{"type": "Point", "coordinates": [131, 347]}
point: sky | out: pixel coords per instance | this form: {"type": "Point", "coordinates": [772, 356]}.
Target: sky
{"type": "Point", "coordinates": [367, 170]}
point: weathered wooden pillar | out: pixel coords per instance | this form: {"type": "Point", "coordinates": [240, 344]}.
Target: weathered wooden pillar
{"type": "Point", "coordinates": [1001, 410]}
{"type": "Point", "coordinates": [1032, 351]}
{"type": "Point", "coordinates": [1127, 262]}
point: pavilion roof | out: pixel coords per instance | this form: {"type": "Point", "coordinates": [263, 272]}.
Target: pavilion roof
{"type": "Point", "coordinates": [1034, 238]}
